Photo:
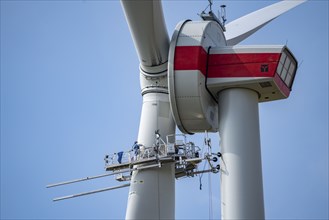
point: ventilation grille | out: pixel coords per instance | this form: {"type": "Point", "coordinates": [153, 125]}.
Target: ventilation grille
{"type": "Point", "coordinates": [265, 84]}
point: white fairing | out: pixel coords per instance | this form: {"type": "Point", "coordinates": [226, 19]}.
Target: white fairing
{"type": "Point", "coordinates": [241, 167]}
{"type": "Point", "coordinates": [193, 107]}
{"type": "Point", "coordinates": [242, 28]}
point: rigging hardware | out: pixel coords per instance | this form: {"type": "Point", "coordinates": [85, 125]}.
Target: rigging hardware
{"type": "Point", "coordinates": [185, 155]}
{"type": "Point", "coordinates": [210, 16]}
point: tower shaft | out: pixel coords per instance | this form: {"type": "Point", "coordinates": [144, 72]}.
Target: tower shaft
{"type": "Point", "coordinates": [241, 176]}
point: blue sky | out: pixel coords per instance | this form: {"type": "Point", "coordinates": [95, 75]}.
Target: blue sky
{"type": "Point", "coordinates": [70, 94]}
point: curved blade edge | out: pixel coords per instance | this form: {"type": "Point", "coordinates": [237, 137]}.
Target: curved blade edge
{"type": "Point", "coordinates": [243, 27]}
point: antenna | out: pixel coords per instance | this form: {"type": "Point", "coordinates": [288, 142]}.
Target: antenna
{"type": "Point", "coordinates": [223, 14]}
{"type": "Point", "coordinates": [210, 16]}
{"type": "Point", "coordinates": [210, 4]}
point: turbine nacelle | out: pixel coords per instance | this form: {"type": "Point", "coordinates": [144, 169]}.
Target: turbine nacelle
{"type": "Point", "coordinates": [269, 70]}
{"type": "Point", "coordinates": [201, 65]}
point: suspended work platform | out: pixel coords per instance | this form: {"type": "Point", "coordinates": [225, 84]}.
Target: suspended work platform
{"type": "Point", "coordinates": [176, 150]}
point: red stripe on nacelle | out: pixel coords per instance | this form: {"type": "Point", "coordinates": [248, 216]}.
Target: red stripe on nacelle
{"type": "Point", "coordinates": [242, 70]}
{"type": "Point", "coordinates": [190, 58]}
{"type": "Point", "coordinates": [237, 58]}
{"type": "Point", "coordinates": [226, 65]}
{"type": "Point", "coordinates": [243, 65]}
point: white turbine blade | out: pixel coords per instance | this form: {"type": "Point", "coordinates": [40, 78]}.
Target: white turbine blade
{"type": "Point", "coordinates": [147, 26]}
{"type": "Point", "coordinates": [242, 28]}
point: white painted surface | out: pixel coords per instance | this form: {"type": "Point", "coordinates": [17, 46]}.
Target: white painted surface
{"type": "Point", "coordinates": [193, 107]}
{"type": "Point", "coordinates": [241, 168]}
{"type": "Point", "coordinates": [149, 33]}
{"type": "Point", "coordinates": [242, 28]}
{"type": "Point", "coordinates": [152, 191]}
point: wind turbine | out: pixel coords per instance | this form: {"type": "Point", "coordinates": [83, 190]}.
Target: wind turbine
{"type": "Point", "coordinates": [201, 80]}
{"type": "Point", "coordinates": [151, 194]}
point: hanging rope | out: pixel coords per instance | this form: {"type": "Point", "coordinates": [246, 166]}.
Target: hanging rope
{"type": "Point", "coordinates": [201, 175]}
